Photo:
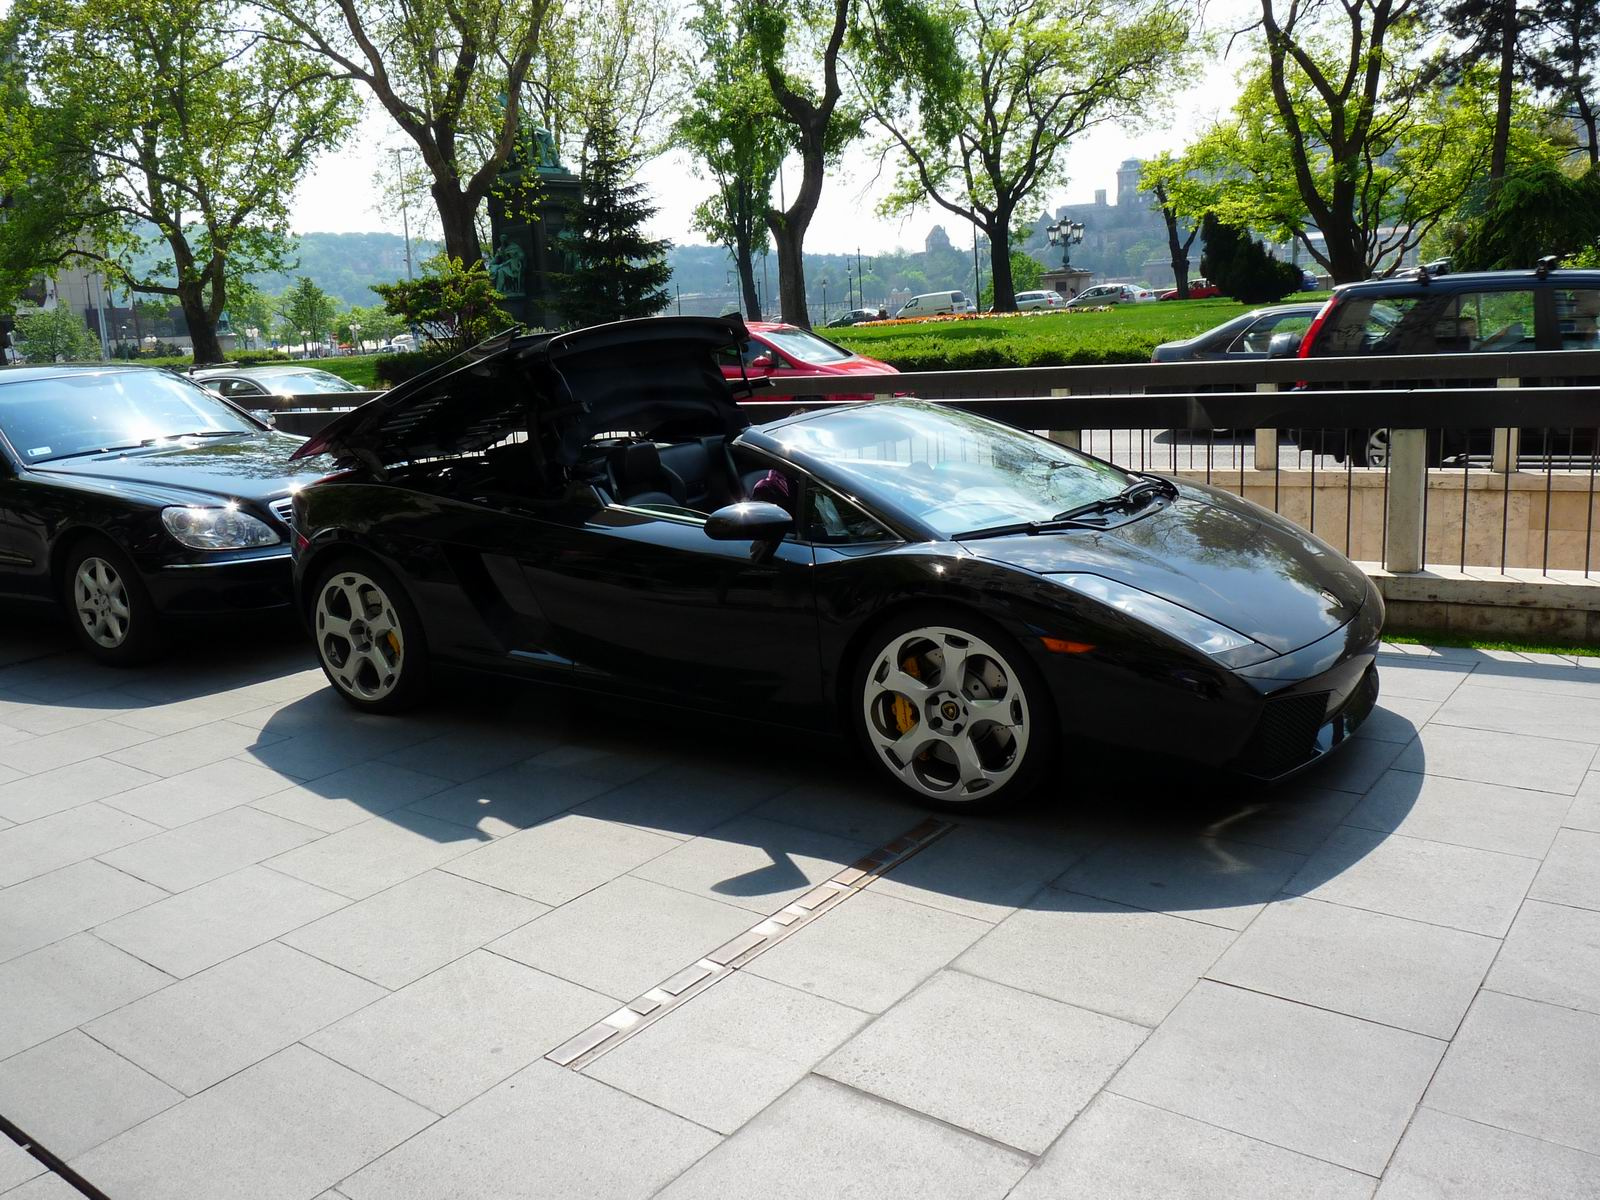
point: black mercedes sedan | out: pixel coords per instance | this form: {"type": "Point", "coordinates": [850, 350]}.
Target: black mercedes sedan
{"type": "Point", "coordinates": [594, 508]}
{"type": "Point", "coordinates": [130, 495]}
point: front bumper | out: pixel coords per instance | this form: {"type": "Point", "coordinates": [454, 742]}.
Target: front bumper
{"type": "Point", "coordinates": [221, 585]}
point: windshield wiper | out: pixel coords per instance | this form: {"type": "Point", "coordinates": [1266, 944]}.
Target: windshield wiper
{"type": "Point", "coordinates": [1131, 497]}
{"type": "Point", "coordinates": [170, 437]}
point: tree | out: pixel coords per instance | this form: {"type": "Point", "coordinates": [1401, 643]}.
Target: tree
{"type": "Point", "coordinates": [181, 114]}
{"type": "Point", "coordinates": [250, 308]}
{"type": "Point", "coordinates": [1027, 273]}
{"type": "Point", "coordinates": [730, 125]}
{"type": "Point", "coordinates": [56, 334]}
{"type": "Point", "coordinates": [1490, 33]}
{"type": "Point", "coordinates": [1241, 266]}
{"type": "Point", "coordinates": [449, 73]}
{"type": "Point", "coordinates": [1178, 189]}
{"type": "Point", "coordinates": [1562, 61]}
{"type": "Point", "coordinates": [454, 304]}
{"type": "Point", "coordinates": [368, 324]}
{"type": "Point", "coordinates": [982, 97]}
{"type": "Point", "coordinates": [307, 312]}
{"type": "Point", "coordinates": [1536, 211]}
{"type": "Point", "coordinates": [617, 272]}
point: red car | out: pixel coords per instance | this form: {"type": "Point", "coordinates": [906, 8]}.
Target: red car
{"type": "Point", "coordinates": [786, 351]}
{"type": "Point", "coordinates": [1199, 289]}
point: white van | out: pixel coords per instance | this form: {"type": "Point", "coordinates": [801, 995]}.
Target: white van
{"type": "Point", "coordinates": [933, 304]}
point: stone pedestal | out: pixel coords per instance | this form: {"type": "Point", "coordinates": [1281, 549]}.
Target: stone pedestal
{"type": "Point", "coordinates": [527, 212]}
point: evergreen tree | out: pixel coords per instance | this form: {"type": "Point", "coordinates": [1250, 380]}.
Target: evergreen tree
{"type": "Point", "coordinates": [1241, 266]}
{"type": "Point", "coordinates": [617, 272]}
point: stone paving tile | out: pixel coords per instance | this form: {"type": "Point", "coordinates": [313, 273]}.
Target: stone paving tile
{"type": "Point", "coordinates": [1120, 1149]}
{"type": "Point", "coordinates": [1358, 765]}
{"type": "Point", "coordinates": [1543, 764]}
{"type": "Point", "coordinates": [377, 854]}
{"type": "Point", "coordinates": [1525, 1066]}
{"type": "Point", "coordinates": [286, 1127]}
{"type": "Point", "coordinates": [823, 1139]}
{"type": "Point", "coordinates": [1571, 871]}
{"type": "Point", "coordinates": [31, 717]}
{"type": "Point", "coordinates": [1397, 719]}
{"type": "Point", "coordinates": [177, 716]}
{"type": "Point", "coordinates": [52, 750]}
{"type": "Point", "coordinates": [1585, 810]}
{"type": "Point", "coordinates": [561, 859]}
{"type": "Point", "coordinates": [681, 800]}
{"type": "Point", "coordinates": [1418, 680]}
{"type": "Point", "coordinates": [1316, 1082]}
{"type": "Point", "coordinates": [71, 1093]}
{"type": "Point", "coordinates": [1552, 954]}
{"type": "Point", "coordinates": [980, 873]}
{"type": "Point", "coordinates": [344, 798]}
{"type": "Point", "coordinates": [206, 925]}
{"type": "Point", "coordinates": [400, 935]}
{"type": "Point", "coordinates": [616, 760]}
{"type": "Point", "coordinates": [53, 989]}
{"type": "Point", "coordinates": [723, 1058]}
{"type": "Point", "coordinates": [1525, 677]}
{"type": "Point", "coordinates": [1297, 817]}
{"type": "Point", "coordinates": [48, 1186]}
{"type": "Point", "coordinates": [869, 951]}
{"type": "Point", "coordinates": [179, 752]}
{"type": "Point", "coordinates": [1097, 954]}
{"type": "Point", "coordinates": [17, 1166]}
{"type": "Point", "coordinates": [64, 838]}
{"type": "Point", "coordinates": [209, 848]}
{"type": "Point", "coordinates": [1363, 964]}
{"type": "Point", "coordinates": [1488, 816]}
{"type": "Point", "coordinates": [457, 1032]}
{"type": "Point", "coordinates": [857, 810]}
{"type": "Point", "coordinates": [28, 797]}
{"type": "Point", "coordinates": [1475, 890]}
{"type": "Point", "coordinates": [1002, 1063]}
{"type": "Point", "coordinates": [1572, 718]}
{"type": "Point", "coordinates": [44, 909]}
{"type": "Point", "coordinates": [546, 1132]}
{"type": "Point", "coordinates": [624, 937]}
{"type": "Point", "coordinates": [193, 795]}
{"type": "Point", "coordinates": [1443, 1157]}
{"type": "Point", "coordinates": [756, 864]}
{"type": "Point", "coordinates": [207, 1027]}
{"type": "Point", "coordinates": [1205, 879]}
{"type": "Point", "coordinates": [311, 755]}
{"type": "Point", "coordinates": [512, 798]}
{"type": "Point", "coordinates": [467, 750]}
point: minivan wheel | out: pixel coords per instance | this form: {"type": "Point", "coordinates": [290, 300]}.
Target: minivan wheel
{"type": "Point", "coordinates": [368, 637]}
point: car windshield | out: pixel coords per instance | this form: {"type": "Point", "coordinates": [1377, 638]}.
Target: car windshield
{"type": "Point", "coordinates": [306, 383]}
{"type": "Point", "coordinates": [953, 471]}
{"type": "Point", "coordinates": [80, 413]}
{"type": "Point", "coordinates": [806, 347]}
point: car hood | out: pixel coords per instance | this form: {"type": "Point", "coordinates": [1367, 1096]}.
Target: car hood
{"type": "Point", "coordinates": [637, 376]}
{"type": "Point", "coordinates": [1216, 554]}
{"type": "Point", "coordinates": [256, 467]}
{"type": "Point", "coordinates": [859, 365]}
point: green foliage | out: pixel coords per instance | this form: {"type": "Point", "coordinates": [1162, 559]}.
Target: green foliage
{"type": "Point", "coordinates": [1027, 273]}
{"type": "Point", "coordinates": [189, 116]}
{"type": "Point", "coordinates": [376, 324]}
{"type": "Point", "coordinates": [56, 334]}
{"type": "Point", "coordinates": [1241, 266]}
{"type": "Point", "coordinates": [392, 369]}
{"type": "Point", "coordinates": [306, 312]}
{"type": "Point", "coordinates": [455, 305]}
{"type": "Point", "coordinates": [1536, 211]}
{"type": "Point", "coordinates": [617, 273]}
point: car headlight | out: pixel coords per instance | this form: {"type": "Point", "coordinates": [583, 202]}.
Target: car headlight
{"type": "Point", "coordinates": [217, 528]}
{"type": "Point", "coordinates": [1228, 646]}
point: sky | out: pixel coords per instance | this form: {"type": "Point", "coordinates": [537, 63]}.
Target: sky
{"type": "Point", "coordinates": [331, 200]}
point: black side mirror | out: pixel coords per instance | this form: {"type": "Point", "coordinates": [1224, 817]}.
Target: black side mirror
{"type": "Point", "coordinates": [1284, 345]}
{"type": "Point", "coordinates": [749, 521]}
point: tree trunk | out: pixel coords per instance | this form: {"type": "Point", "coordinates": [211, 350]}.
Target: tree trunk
{"type": "Point", "coordinates": [791, 273]}
{"type": "Point", "coordinates": [747, 282]}
{"type": "Point", "coordinates": [1180, 254]}
{"type": "Point", "coordinates": [202, 331]}
{"type": "Point", "coordinates": [1502, 118]}
{"type": "Point", "coordinates": [1005, 289]}
{"type": "Point", "coordinates": [457, 220]}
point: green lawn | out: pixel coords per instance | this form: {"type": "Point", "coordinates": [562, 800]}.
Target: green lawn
{"type": "Point", "coordinates": [359, 369]}
{"type": "Point", "coordinates": [1126, 333]}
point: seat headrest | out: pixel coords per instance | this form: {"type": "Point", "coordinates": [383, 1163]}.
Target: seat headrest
{"type": "Point", "coordinates": [636, 460]}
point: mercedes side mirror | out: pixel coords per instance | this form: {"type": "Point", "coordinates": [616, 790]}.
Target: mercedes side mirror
{"type": "Point", "coordinates": [749, 521]}
{"type": "Point", "coordinates": [1283, 345]}
{"type": "Point", "coordinates": [265, 416]}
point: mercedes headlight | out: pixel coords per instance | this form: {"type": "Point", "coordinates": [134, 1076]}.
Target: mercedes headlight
{"type": "Point", "coordinates": [1228, 646]}
{"type": "Point", "coordinates": [223, 528]}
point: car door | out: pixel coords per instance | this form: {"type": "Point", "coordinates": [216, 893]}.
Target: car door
{"type": "Point", "coordinates": [644, 601]}
{"type": "Point", "coordinates": [1256, 340]}
{"type": "Point", "coordinates": [24, 554]}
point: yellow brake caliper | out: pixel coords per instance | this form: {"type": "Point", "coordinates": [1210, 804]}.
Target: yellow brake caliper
{"type": "Point", "coordinates": [905, 713]}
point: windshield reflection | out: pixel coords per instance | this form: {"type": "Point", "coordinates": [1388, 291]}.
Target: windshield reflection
{"type": "Point", "coordinates": [953, 471]}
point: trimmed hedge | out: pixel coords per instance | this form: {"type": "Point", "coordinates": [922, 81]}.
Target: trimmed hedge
{"type": "Point", "coordinates": [390, 369]}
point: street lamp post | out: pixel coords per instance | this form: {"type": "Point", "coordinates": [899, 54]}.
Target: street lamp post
{"type": "Point", "coordinates": [355, 335]}
{"type": "Point", "coordinates": [305, 343]}
{"type": "Point", "coordinates": [1066, 234]}
{"type": "Point", "coordinates": [252, 333]}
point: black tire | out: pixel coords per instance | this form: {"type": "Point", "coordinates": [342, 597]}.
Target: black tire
{"type": "Point", "coordinates": [1362, 442]}
{"type": "Point", "coordinates": [112, 616]}
{"type": "Point", "coordinates": [385, 631]}
{"type": "Point", "coordinates": [935, 761]}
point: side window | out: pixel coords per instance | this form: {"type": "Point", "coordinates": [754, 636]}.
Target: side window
{"type": "Point", "coordinates": [1578, 318]}
{"type": "Point", "coordinates": [828, 520]}
{"type": "Point", "coordinates": [1258, 338]}
{"type": "Point", "coordinates": [1487, 323]}
{"type": "Point", "coordinates": [1388, 326]}
{"type": "Point", "coordinates": [236, 389]}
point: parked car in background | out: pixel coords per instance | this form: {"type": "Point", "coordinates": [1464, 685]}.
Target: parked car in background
{"type": "Point", "coordinates": [856, 316]}
{"type": "Point", "coordinates": [778, 351]}
{"type": "Point", "coordinates": [1199, 289]}
{"type": "Point", "coordinates": [129, 495]}
{"type": "Point", "coordinates": [246, 384]}
{"type": "Point", "coordinates": [1110, 293]}
{"type": "Point", "coordinates": [933, 304]}
{"type": "Point", "coordinates": [957, 595]}
{"type": "Point", "coordinates": [1480, 312]}
{"type": "Point", "coordinates": [1246, 336]}
{"type": "Point", "coordinates": [1031, 301]}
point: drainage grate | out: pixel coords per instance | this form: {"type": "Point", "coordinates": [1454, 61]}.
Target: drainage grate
{"type": "Point", "coordinates": [51, 1162]}
{"type": "Point", "coordinates": [609, 1033]}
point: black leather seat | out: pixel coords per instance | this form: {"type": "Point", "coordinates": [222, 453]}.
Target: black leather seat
{"type": "Point", "coordinates": [637, 476]}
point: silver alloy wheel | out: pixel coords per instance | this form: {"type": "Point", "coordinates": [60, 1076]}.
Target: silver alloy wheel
{"type": "Point", "coordinates": [1377, 448]}
{"type": "Point", "coordinates": [946, 713]}
{"type": "Point", "coordinates": [359, 636]}
{"type": "Point", "coordinates": [101, 599]}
